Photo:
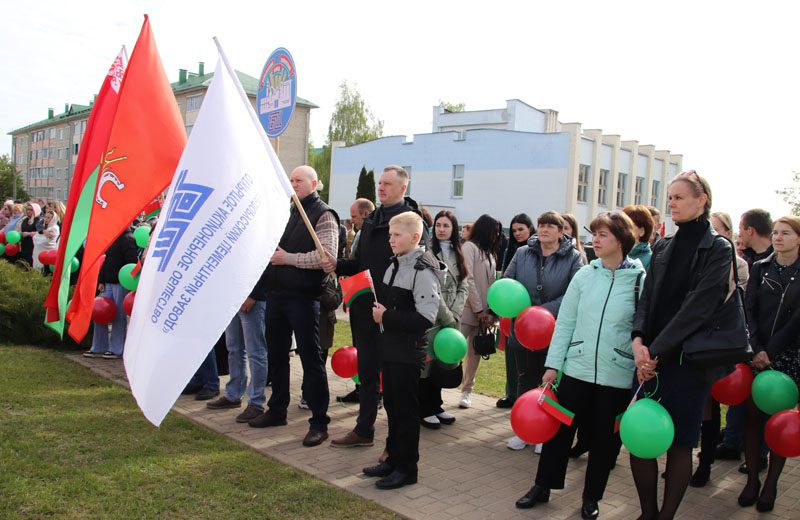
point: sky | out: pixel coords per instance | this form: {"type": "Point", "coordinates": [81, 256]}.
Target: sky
{"type": "Point", "coordinates": [714, 81]}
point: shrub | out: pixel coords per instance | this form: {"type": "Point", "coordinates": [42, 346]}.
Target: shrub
{"type": "Point", "coordinates": [22, 294]}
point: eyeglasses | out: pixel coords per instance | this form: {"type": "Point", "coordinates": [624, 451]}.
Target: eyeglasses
{"type": "Point", "coordinates": [693, 177]}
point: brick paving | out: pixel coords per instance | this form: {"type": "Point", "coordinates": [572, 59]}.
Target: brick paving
{"type": "Point", "coordinates": [465, 471]}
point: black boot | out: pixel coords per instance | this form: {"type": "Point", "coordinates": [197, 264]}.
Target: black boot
{"type": "Point", "coordinates": [589, 509]}
{"type": "Point", "coordinates": [537, 494]}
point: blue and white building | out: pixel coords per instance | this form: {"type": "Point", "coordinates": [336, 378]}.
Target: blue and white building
{"type": "Point", "coordinates": [512, 160]}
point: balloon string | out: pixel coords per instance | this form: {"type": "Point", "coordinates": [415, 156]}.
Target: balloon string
{"type": "Point", "coordinates": [544, 389]}
{"type": "Point", "coordinates": [651, 394]}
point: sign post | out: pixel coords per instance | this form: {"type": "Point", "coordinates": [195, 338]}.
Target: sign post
{"type": "Point", "coordinates": [277, 92]}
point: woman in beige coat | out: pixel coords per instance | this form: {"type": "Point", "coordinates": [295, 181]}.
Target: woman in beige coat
{"type": "Point", "coordinates": [481, 264]}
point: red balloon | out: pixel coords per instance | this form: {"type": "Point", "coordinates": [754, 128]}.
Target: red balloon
{"type": "Point", "coordinates": [12, 249]}
{"type": "Point", "coordinates": [104, 310]}
{"type": "Point", "coordinates": [505, 326]}
{"type": "Point", "coordinates": [530, 421]}
{"type": "Point", "coordinates": [501, 344]}
{"type": "Point", "coordinates": [734, 388]}
{"type": "Point", "coordinates": [534, 328]}
{"type": "Point", "coordinates": [127, 302]}
{"type": "Point", "coordinates": [344, 362]}
{"type": "Point", "coordinates": [48, 256]}
{"type": "Point", "coordinates": [2, 237]}
{"type": "Point", "coordinates": [782, 433]}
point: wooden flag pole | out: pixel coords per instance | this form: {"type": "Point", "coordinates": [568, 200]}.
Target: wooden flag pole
{"type": "Point", "coordinates": [317, 243]}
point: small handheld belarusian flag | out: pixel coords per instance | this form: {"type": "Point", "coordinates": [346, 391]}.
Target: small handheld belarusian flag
{"type": "Point", "coordinates": [557, 411]}
{"type": "Point", "coordinates": [356, 285]}
{"type": "Point", "coordinates": [152, 209]}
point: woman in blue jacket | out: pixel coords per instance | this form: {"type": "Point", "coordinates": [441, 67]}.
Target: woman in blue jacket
{"type": "Point", "coordinates": [593, 355]}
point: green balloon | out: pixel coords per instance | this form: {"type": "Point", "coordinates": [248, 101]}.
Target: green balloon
{"type": "Point", "coordinates": [2, 249]}
{"type": "Point", "coordinates": [74, 264]}
{"type": "Point", "coordinates": [449, 345]}
{"type": "Point", "coordinates": [356, 379]}
{"type": "Point", "coordinates": [127, 280]}
{"type": "Point", "coordinates": [508, 297]}
{"type": "Point", "coordinates": [142, 236]}
{"type": "Point", "coordinates": [646, 429]}
{"type": "Point", "coordinates": [774, 391]}
{"type": "Point", "coordinates": [14, 236]}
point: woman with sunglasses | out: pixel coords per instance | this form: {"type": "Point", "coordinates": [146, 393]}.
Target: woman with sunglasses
{"type": "Point", "coordinates": [687, 281]}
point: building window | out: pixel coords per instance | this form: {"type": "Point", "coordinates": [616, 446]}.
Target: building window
{"type": "Point", "coordinates": [193, 103]}
{"type": "Point", "coordinates": [458, 181]}
{"type": "Point", "coordinates": [655, 194]}
{"type": "Point", "coordinates": [622, 183]}
{"type": "Point", "coordinates": [60, 153]}
{"type": "Point", "coordinates": [52, 133]}
{"type": "Point", "coordinates": [75, 148]}
{"type": "Point", "coordinates": [583, 182]}
{"type": "Point", "coordinates": [602, 188]}
{"type": "Point", "coordinates": [638, 194]}
{"type": "Point", "coordinates": [61, 133]}
{"type": "Point", "coordinates": [189, 129]}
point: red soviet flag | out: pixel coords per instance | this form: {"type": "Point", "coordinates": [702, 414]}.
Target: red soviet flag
{"type": "Point", "coordinates": [144, 147]}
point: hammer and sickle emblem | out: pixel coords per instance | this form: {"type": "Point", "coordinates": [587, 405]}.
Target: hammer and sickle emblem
{"type": "Point", "coordinates": [108, 176]}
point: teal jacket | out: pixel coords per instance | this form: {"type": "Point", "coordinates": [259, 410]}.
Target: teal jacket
{"type": "Point", "coordinates": [641, 251]}
{"type": "Point", "coordinates": [592, 339]}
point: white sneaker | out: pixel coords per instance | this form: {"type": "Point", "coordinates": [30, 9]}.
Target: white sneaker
{"type": "Point", "coordinates": [537, 448]}
{"type": "Point", "coordinates": [516, 444]}
{"type": "Point", "coordinates": [444, 416]}
{"type": "Point", "coordinates": [431, 422]}
{"type": "Point", "coordinates": [466, 400]}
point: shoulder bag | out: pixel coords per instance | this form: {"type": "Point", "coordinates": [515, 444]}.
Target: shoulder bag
{"type": "Point", "coordinates": [724, 341]}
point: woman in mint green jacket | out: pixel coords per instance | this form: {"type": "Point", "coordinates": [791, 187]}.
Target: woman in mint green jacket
{"type": "Point", "coordinates": [591, 349]}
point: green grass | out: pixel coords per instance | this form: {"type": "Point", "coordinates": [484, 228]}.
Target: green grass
{"type": "Point", "coordinates": [491, 377]}
{"type": "Point", "coordinates": [73, 445]}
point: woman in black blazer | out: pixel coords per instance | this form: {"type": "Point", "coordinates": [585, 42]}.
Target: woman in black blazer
{"type": "Point", "coordinates": [687, 280]}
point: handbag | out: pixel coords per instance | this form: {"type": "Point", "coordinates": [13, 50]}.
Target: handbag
{"type": "Point", "coordinates": [446, 376]}
{"type": "Point", "coordinates": [724, 341]}
{"type": "Point", "coordinates": [331, 296]}
{"type": "Point", "coordinates": [484, 343]}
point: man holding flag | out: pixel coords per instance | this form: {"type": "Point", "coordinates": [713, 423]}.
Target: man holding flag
{"type": "Point", "coordinates": [294, 281]}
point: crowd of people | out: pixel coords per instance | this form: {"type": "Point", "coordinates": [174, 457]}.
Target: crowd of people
{"type": "Point", "coordinates": [38, 224]}
{"type": "Point", "coordinates": [624, 304]}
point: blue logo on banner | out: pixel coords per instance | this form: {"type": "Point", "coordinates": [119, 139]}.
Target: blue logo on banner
{"type": "Point", "coordinates": [277, 90]}
{"type": "Point", "coordinates": [186, 202]}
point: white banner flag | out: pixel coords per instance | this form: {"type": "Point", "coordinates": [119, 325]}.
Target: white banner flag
{"type": "Point", "coordinates": [227, 207]}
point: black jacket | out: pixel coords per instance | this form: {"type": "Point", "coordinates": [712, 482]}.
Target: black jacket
{"type": "Point", "coordinates": [373, 251]}
{"type": "Point", "coordinates": [709, 272]}
{"type": "Point", "coordinates": [772, 304]}
{"type": "Point", "coordinates": [123, 251]}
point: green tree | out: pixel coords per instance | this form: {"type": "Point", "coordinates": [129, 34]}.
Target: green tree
{"type": "Point", "coordinates": [320, 160]}
{"type": "Point", "coordinates": [366, 185]}
{"type": "Point", "coordinates": [791, 195]}
{"type": "Point", "coordinates": [7, 175]}
{"type": "Point", "coordinates": [352, 121]}
{"type": "Point", "coordinates": [452, 107]}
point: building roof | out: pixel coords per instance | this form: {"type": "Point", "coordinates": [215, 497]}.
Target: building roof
{"type": "Point", "coordinates": [250, 84]}
{"type": "Point", "coordinates": [191, 81]}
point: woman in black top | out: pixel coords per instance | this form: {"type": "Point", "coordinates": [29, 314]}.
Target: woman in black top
{"type": "Point", "coordinates": [27, 227]}
{"type": "Point", "coordinates": [772, 301]}
{"type": "Point", "coordinates": [520, 230]}
{"type": "Point", "coordinates": [686, 281]}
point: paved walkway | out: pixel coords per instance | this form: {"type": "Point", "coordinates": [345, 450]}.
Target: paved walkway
{"type": "Point", "coordinates": [466, 472]}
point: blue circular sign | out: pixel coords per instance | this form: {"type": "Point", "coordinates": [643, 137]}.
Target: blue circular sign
{"type": "Point", "coordinates": [277, 92]}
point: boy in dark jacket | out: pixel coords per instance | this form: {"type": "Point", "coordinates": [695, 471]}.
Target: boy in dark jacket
{"type": "Point", "coordinates": [411, 302]}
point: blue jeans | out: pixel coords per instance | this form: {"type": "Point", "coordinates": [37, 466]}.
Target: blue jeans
{"type": "Point", "coordinates": [245, 340]}
{"type": "Point", "coordinates": [287, 313]}
{"type": "Point", "coordinates": [206, 375]}
{"type": "Point", "coordinates": [119, 327]}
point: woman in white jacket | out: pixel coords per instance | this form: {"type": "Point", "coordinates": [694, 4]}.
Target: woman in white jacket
{"type": "Point", "coordinates": [47, 238]}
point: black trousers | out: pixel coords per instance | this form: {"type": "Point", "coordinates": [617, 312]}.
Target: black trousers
{"type": "Point", "coordinates": [401, 401]}
{"type": "Point", "coordinates": [530, 367]}
{"type": "Point", "coordinates": [365, 338]}
{"type": "Point", "coordinates": [596, 406]}
{"type": "Point", "coordinates": [430, 397]}
{"type": "Point", "coordinates": [298, 314]}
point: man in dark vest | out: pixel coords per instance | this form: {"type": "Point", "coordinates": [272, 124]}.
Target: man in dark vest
{"type": "Point", "coordinates": [294, 280]}
{"type": "Point", "coordinates": [374, 253]}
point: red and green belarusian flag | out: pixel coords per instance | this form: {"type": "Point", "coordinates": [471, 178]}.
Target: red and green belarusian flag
{"type": "Point", "coordinates": [557, 411]}
{"type": "Point", "coordinates": [138, 162]}
{"type": "Point", "coordinates": [75, 226]}
{"type": "Point", "coordinates": [356, 285]}
{"type": "Point", "coordinates": [152, 210]}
